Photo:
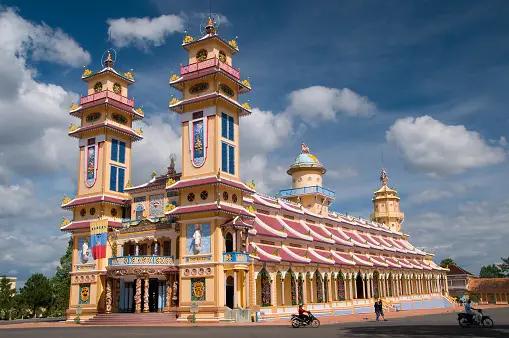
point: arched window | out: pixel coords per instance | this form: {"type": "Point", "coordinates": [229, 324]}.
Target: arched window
{"type": "Point", "coordinates": [341, 286]}
{"type": "Point", "coordinates": [293, 287]}
{"type": "Point", "coordinates": [229, 242]}
{"type": "Point", "coordinates": [265, 283]}
{"type": "Point", "coordinates": [319, 287]}
{"type": "Point", "coordinates": [376, 278]}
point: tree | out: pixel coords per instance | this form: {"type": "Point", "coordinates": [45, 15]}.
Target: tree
{"type": "Point", "coordinates": [491, 271]}
{"type": "Point", "coordinates": [6, 294]}
{"type": "Point", "coordinates": [447, 261]}
{"type": "Point", "coordinates": [61, 282]}
{"type": "Point", "coordinates": [505, 266]}
{"type": "Point", "coordinates": [37, 292]}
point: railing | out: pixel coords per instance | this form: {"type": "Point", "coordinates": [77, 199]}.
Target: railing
{"type": "Point", "coordinates": [235, 257]}
{"type": "Point", "coordinates": [109, 95]}
{"type": "Point", "coordinates": [307, 190]}
{"type": "Point", "coordinates": [194, 67]}
{"type": "Point", "coordinates": [126, 222]}
{"type": "Point", "coordinates": [141, 260]}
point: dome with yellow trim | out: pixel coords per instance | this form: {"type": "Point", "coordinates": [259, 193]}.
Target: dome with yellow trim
{"type": "Point", "coordinates": [305, 160]}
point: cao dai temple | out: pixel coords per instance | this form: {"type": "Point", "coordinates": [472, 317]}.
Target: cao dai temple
{"type": "Point", "coordinates": [204, 241]}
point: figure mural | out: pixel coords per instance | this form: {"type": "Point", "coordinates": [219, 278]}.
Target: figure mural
{"type": "Point", "coordinates": [198, 239]}
{"type": "Point", "coordinates": [198, 145]}
{"type": "Point", "coordinates": [90, 166]}
{"type": "Point", "coordinates": [84, 251]}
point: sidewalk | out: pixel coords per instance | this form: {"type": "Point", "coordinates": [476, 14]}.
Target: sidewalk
{"type": "Point", "coordinates": [323, 319]}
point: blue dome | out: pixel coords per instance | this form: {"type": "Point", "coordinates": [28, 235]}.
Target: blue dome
{"type": "Point", "coordinates": [306, 159]}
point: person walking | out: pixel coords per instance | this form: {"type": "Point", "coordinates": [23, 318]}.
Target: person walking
{"type": "Point", "coordinates": [377, 310]}
{"type": "Point", "coordinates": [381, 309]}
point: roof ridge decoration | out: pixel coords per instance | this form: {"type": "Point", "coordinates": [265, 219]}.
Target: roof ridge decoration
{"type": "Point", "coordinates": [66, 199]}
{"type": "Point", "coordinates": [64, 222]}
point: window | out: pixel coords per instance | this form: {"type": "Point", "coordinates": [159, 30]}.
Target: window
{"type": "Point", "coordinates": [117, 177]}
{"type": "Point", "coordinates": [227, 126]}
{"type": "Point", "coordinates": [139, 214]}
{"type": "Point", "coordinates": [228, 158]}
{"type": "Point", "coordinates": [229, 242]}
{"type": "Point", "coordinates": [117, 151]}
{"type": "Point", "coordinates": [167, 248]}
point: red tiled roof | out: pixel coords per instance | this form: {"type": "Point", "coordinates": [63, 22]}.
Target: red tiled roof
{"type": "Point", "coordinates": [290, 207]}
{"type": "Point", "coordinates": [289, 254]}
{"type": "Point", "coordinates": [77, 225]}
{"type": "Point", "coordinates": [266, 253]}
{"type": "Point", "coordinates": [377, 261]}
{"type": "Point", "coordinates": [257, 199]}
{"type": "Point", "coordinates": [488, 285]}
{"type": "Point", "coordinates": [294, 229]}
{"type": "Point", "coordinates": [456, 270]}
{"type": "Point", "coordinates": [342, 258]}
{"type": "Point", "coordinates": [362, 259]}
{"type": "Point", "coordinates": [392, 262]}
{"type": "Point", "coordinates": [94, 199]}
{"type": "Point", "coordinates": [196, 182]}
{"type": "Point", "coordinates": [358, 241]}
{"type": "Point", "coordinates": [264, 221]}
{"type": "Point", "coordinates": [323, 257]}
{"type": "Point", "coordinates": [340, 237]}
{"type": "Point", "coordinates": [318, 230]}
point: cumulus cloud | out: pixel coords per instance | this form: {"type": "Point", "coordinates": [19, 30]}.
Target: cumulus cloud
{"type": "Point", "coordinates": [318, 103]}
{"type": "Point", "coordinates": [342, 173]}
{"type": "Point", "coordinates": [431, 147]}
{"type": "Point", "coordinates": [144, 32]}
{"type": "Point", "coordinates": [434, 194]}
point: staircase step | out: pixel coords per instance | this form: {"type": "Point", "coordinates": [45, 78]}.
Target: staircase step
{"type": "Point", "coordinates": [131, 318]}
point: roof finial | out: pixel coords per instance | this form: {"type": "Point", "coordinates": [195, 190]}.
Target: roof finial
{"type": "Point", "coordinates": [304, 149]}
{"type": "Point", "coordinates": [383, 177]}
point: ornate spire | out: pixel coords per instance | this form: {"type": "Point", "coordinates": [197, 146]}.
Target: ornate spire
{"type": "Point", "coordinates": [109, 61]}
{"type": "Point", "coordinates": [211, 27]}
{"type": "Point", "coordinates": [383, 177]}
{"type": "Point", "coordinates": [304, 149]}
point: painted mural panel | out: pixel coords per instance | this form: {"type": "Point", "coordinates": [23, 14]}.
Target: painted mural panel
{"type": "Point", "coordinates": [198, 238]}
{"type": "Point", "coordinates": [198, 289]}
{"type": "Point", "coordinates": [84, 252]}
{"type": "Point", "coordinates": [156, 204]}
{"type": "Point", "coordinates": [198, 143]}
{"type": "Point", "coordinates": [84, 294]}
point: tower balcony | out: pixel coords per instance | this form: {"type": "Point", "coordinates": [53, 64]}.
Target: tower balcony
{"type": "Point", "coordinates": [306, 191]}
{"type": "Point", "coordinates": [106, 94]}
{"type": "Point", "coordinates": [235, 257]}
{"type": "Point", "coordinates": [141, 260]}
{"type": "Point", "coordinates": [207, 64]}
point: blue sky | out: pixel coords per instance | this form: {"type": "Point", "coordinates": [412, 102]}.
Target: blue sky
{"type": "Point", "coordinates": [422, 81]}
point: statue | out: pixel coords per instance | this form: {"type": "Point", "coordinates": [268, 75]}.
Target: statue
{"type": "Point", "coordinates": [383, 177]}
{"type": "Point", "coordinates": [175, 291]}
{"type": "Point", "coordinates": [85, 254]}
{"type": "Point", "coordinates": [197, 238]}
{"type": "Point", "coordinates": [304, 149]}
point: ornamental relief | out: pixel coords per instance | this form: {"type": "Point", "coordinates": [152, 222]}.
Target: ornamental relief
{"type": "Point", "coordinates": [124, 271]}
{"type": "Point", "coordinates": [192, 272]}
{"type": "Point", "coordinates": [84, 278]}
{"type": "Point", "coordinates": [198, 88]}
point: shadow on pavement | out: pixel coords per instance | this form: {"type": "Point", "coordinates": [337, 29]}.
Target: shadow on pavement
{"type": "Point", "coordinates": [425, 331]}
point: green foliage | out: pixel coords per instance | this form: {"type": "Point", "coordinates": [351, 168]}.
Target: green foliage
{"type": "Point", "coordinates": [37, 292]}
{"type": "Point", "coordinates": [491, 271]}
{"type": "Point", "coordinates": [6, 298]}
{"type": "Point", "coordinates": [447, 261]}
{"type": "Point", "coordinates": [61, 283]}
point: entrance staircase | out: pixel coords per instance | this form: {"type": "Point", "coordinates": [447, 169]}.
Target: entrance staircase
{"type": "Point", "coordinates": [132, 319]}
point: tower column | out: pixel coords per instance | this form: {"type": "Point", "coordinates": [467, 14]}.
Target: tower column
{"type": "Point", "coordinates": [138, 295]}
{"type": "Point", "coordinates": [145, 296]}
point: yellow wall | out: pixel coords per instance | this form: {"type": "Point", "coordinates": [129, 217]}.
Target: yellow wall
{"type": "Point", "coordinates": [310, 178]}
{"type": "Point", "coordinates": [107, 81]}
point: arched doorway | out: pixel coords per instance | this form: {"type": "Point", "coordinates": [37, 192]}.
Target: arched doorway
{"type": "Point", "coordinates": [293, 287]}
{"type": "Point", "coordinates": [389, 286]}
{"type": "Point", "coordinates": [326, 288]}
{"type": "Point", "coordinates": [360, 287]}
{"type": "Point", "coordinates": [230, 292]}
{"type": "Point", "coordinates": [265, 288]}
{"type": "Point", "coordinates": [229, 242]}
{"type": "Point", "coordinates": [300, 288]}
{"type": "Point", "coordinates": [319, 287]}
{"type": "Point", "coordinates": [341, 286]}
{"type": "Point", "coordinates": [376, 279]}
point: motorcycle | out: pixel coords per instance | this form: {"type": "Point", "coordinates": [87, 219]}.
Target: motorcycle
{"type": "Point", "coordinates": [467, 319]}
{"type": "Point", "coordinates": [298, 322]}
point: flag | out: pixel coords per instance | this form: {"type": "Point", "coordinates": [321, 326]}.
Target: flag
{"type": "Point", "coordinates": [98, 238]}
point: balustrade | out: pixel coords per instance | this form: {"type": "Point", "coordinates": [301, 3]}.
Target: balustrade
{"type": "Point", "coordinates": [141, 260]}
{"type": "Point", "coordinates": [235, 257]}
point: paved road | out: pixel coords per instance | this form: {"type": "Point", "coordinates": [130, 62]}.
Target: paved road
{"type": "Point", "coordinates": [443, 325]}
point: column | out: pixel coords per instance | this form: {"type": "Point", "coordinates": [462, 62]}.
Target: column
{"type": "Point", "coordinates": [354, 282]}
{"type": "Point", "coordinates": [138, 295]}
{"type": "Point", "coordinates": [235, 291]}
{"type": "Point", "coordinates": [273, 288]}
{"type": "Point", "coordinates": [246, 282]}
{"type": "Point", "coordinates": [168, 293]}
{"type": "Point", "coordinates": [108, 295]}
{"type": "Point", "coordinates": [372, 288]}
{"type": "Point", "coordinates": [311, 291]}
{"type": "Point", "coordinates": [282, 291]}
{"type": "Point", "coordinates": [145, 296]}
{"type": "Point", "coordinates": [364, 288]}
{"type": "Point", "coordinates": [332, 285]}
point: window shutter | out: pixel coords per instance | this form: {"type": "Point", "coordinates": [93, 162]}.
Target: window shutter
{"type": "Point", "coordinates": [121, 175]}
{"type": "Point", "coordinates": [231, 160]}
{"type": "Point", "coordinates": [121, 152]}
{"type": "Point", "coordinates": [224, 157]}
{"type": "Point", "coordinates": [224, 125]}
{"type": "Point", "coordinates": [230, 128]}
{"type": "Point", "coordinates": [114, 150]}
{"type": "Point", "coordinates": [113, 178]}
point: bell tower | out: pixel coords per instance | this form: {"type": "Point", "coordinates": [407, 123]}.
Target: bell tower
{"type": "Point", "coordinates": [210, 108]}
{"type": "Point", "coordinates": [386, 205]}
{"type": "Point", "coordinates": [307, 177]}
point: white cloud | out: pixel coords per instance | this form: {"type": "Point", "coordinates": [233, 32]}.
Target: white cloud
{"type": "Point", "coordinates": [20, 36]}
{"type": "Point", "coordinates": [322, 103]}
{"type": "Point", "coordinates": [342, 173]}
{"type": "Point", "coordinates": [434, 194]}
{"type": "Point", "coordinates": [429, 146]}
{"type": "Point", "coordinates": [144, 32]}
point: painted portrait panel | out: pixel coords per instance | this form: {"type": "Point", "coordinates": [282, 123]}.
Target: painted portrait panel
{"type": "Point", "coordinates": [84, 251]}
{"type": "Point", "coordinates": [198, 238]}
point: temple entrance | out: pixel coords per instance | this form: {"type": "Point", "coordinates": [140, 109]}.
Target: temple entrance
{"type": "Point", "coordinates": [153, 296]}
{"type": "Point", "coordinates": [230, 292]}
{"type": "Point", "coordinates": [360, 288]}
{"type": "Point", "coordinates": [127, 303]}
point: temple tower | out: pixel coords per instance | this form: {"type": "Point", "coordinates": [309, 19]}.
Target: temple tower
{"type": "Point", "coordinates": [386, 206]}
{"type": "Point", "coordinates": [213, 221]}
{"type": "Point", "coordinates": [307, 176]}
{"type": "Point", "coordinates": [105, 136]}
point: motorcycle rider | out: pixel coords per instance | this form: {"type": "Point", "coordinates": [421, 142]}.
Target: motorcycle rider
{"type": "Point", "coordinates": [303, 314]}
{"type": "Point", "coordinates": [468, 309]}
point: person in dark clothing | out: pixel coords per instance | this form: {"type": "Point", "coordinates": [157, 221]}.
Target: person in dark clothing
{"type": "Point", "coordinates": [381, 309]}
{"type": "Point", "coordinates": [303, 314]}
{"type": "Point", "coordinates": [377, 310]}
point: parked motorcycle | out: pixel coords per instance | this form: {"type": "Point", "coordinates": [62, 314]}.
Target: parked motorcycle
{"type": "Point", "coordinates": [298, 322]}
{"type": "Point", "coordinates": [467, 319]}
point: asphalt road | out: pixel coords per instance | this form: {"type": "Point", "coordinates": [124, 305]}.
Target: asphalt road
{"type": "Point", "coordinates": [443, 325]}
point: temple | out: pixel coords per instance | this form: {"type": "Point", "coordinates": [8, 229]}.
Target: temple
{"type": "Point", "coordinates": [203, 245]}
